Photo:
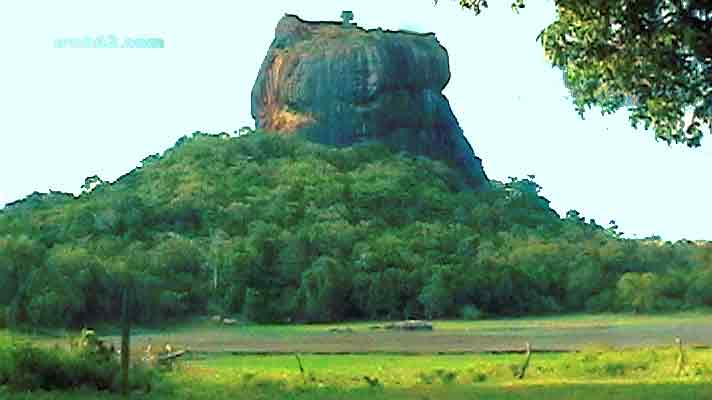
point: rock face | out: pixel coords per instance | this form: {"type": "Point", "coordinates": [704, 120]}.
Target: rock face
{"type": "Point", "coordinates": [341, 85]}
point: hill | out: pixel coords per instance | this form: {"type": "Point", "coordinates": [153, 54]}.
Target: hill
{"type": "Point", "coordinates": [282, 229]}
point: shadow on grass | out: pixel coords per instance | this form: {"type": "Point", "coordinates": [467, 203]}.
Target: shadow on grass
{"type": "Point", "coordinates": [271, 390]}
{"type": "Point", "coordinates": [278, 390]}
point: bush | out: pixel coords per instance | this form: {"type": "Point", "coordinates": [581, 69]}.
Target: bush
{"type": "Point", "coordinates": [28, 368]}
{"type": "Point", "coordinates": [33, 369]}
{"type": "Point", "coordinates": [446, 376]}
{"type": "Point", "coordinates": [478, 377]}
{"type": "Point", "coordinates": [443, 375]}
{"type": "Point", "coordinates": [607, 369]}
{"type": "Point", "coordinates": [614, 369]}
{"type": "Point", "coordinates": [470, 313]}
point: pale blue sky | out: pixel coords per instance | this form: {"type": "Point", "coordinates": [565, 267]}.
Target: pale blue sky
{"type": "Point", "coordinates": [66, 114]}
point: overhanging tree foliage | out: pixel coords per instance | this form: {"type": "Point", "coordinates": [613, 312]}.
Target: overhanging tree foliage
{"type": "Point", "coordinates": [653, 57]}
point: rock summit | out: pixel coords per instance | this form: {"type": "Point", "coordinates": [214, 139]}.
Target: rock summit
{"type": "Point", "coordinates": [339, 84]}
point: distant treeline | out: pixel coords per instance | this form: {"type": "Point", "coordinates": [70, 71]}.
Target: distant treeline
{"type": "Point", "coordinates": [280, 229]}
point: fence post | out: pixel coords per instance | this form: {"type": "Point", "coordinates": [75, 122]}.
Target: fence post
{"type": "Point", "coordinates": [523, 369]}
{"type": "Point", "coordinates": [301, 368]}
{"type": "Point", "coordinates": [681, 358]}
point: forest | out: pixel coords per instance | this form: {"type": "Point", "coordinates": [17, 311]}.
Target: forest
{"type": "Point", "coordinates": [278, 229]}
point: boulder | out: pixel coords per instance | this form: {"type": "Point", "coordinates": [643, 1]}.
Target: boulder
{"type": "Point", "coordinates": [411, 325]}
{"type": "Point", "coordinates": [341, 330]}
{"type": "Point", "coordinates": [342, 85]}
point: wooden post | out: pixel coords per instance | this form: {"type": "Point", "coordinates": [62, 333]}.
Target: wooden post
{"type": "Point", "coordinates": [681, 358]}
{"type": "Point", "coordinates": [125, 342]}
{"type": "Point", "coordinates": [301, 368]}
{"type": "Point", "coordinates": [523, 369]}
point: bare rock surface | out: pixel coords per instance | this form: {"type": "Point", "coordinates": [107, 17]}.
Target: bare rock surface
{"type": "Point", "coordinates": [342, 85]}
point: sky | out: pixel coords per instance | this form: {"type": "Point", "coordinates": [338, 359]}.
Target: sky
{"type": "Point", "coordinates": [66, 114]}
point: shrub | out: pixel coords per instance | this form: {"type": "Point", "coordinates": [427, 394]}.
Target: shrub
{"type": "Point", "coordinates": [478, 377]}
{"type": "Point", "coordinates": [608, 369]}
{"type": "Point", "coordinates": [28, 368]}
{"type": "Point", "coordinates": [446, 376]}
{"type": "Point", "coordinates": [470, 313]}
{"type": "Point", "coordinates": [613, 369]}
{"type": "Point", "coordinates": [247, 377]}
{"type": "Point", "coordinates": [373, 382]}
{"type": "Point", "coordinates": [700, 370]}
{"type": "Point", "coordinates": [34, 369]}
{"type": "Point", "coordinates": [425, 378]}
{"type": "Point", "coordinates": [443, 375]}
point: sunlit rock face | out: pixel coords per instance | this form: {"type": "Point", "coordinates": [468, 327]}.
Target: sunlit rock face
{"type": "Point", "coordinates": [340, 85]}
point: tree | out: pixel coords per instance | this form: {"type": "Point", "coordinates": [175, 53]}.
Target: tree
{"type": "Point", "coordinates": [217, 254]}
{"type": "Point", "coordinates": [651, 57]}
{"type": "Point", "coordinates": [91, 183]}
{"type": "Point", "coordinates": [48, 298]}
{"type": "Point", "coordinates": [700, 288]}
{"type": "Point", "coordinates": [326, 288]}
{"type": "Point", "coordinates": [638, 291]}
{"type": "Point", "coordinates": [437, 297]}
{"type": "Point", "coordinates": [178, 262]}
{"type": "Point", "coordinates": [19, 256]}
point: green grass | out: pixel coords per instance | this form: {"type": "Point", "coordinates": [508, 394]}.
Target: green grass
{"type": "Point", "coordinates": [591, 365]}
{"type": "Point", "coordinates": [591, 374]}
{"type": "Point", "coordinates": [550, 322]}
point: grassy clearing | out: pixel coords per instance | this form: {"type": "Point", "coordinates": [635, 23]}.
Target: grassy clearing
{"type": "Point", "coordinates": [551, 321]}
{"type": "Point", "coordinates": [563, 321]}
{"type": "Point", "coordinates": [543, 322]}
{"type": "Point", "coordinates": [598, 371]}
{"type": "Point", "coordinates": [572, 332]}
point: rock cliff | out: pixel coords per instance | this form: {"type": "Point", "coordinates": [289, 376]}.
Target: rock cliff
{"type": "Point", "coordinates": [340, 85]}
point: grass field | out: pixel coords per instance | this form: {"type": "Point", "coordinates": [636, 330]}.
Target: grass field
{"type": "Point", "coordinates": [590, 374]}
{"type": "Point", "coordinates": [614, 360]}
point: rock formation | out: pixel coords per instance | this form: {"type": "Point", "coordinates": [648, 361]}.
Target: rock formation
{"type": "Point", "coordinates": [340, 85]}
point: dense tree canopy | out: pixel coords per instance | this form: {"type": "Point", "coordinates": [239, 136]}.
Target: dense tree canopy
{"type": "Point", "coordinates": [653, 57]}
{"type": "Point", "coordinates": [277, 229]}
